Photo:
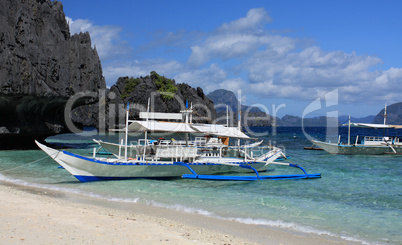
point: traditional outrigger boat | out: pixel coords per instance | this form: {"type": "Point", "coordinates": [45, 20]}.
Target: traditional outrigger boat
{"type": "Point", "coordinates": [202, 158]}
{"type": "Point", "coordinates": [365, 145]}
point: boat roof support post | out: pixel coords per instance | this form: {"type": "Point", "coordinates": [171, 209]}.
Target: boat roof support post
{"type": "Point", "coordinates": [187, 122]}
{"type": "Point", "coordinates": [126, 133]}
{"type": "Point", "coordinates": [227, 116]}
{"type": "Point", "coordinates": [191, 114]}
{"type": "Point", "coordinates": [121, 143]}
{"type": "Point", "coordinates": [349, 131]}
{"type": "Point", "coordinates": [146, 132]}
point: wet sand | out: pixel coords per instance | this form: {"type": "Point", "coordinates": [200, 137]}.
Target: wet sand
{"type": "Point", "coordinates": [37, 216]}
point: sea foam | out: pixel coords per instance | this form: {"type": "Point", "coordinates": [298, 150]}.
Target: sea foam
{"type": "Point", "coordinates": [261, 222]}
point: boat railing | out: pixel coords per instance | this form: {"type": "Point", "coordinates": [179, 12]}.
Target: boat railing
{"type": "Point", "coordinates": [375, 140]}
{"type": "Point", "coordinates": [212, 151]}
{"type": "Point", "coordinates": [167, 152]}
{"type": "Point", "coordinates": [164, 142]}
{"type": "Point", "coordinates": [179, 152]}
{"type": "Point", "coordinates": [248, 153]}
{"type": "Point", "coordinates": [173, 150]}
{"type": "Point", "coordinates": [142, 142]}
{"type": "Point", "coordinates": [200, 141]}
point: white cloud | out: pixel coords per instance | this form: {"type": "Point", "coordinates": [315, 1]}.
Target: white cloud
{"type": "Point", "coordinates": [390, 78]}
{"type": "Point", "coordinates": [245, 54]}
{"type": "Point", "coordinates": [232, 40]}
{"type": "Point", "coordinates": [206, 78]}
{"type": "Point", "coordinates": [232, 84]}
{"type": "Point", "coordinates": [106, 39]}
{"type": "Point", "coordinates": [311, 72]}
{"type": "Point", "coordinates": [284, 67]}
{"type": "Point", "coordinates": [255, 19]}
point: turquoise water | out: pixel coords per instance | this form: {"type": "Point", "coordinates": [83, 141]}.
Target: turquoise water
{"type": "Point", "coordinates": [358, 198]}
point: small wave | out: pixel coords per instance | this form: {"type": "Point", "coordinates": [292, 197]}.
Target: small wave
{"type": "Point", "coordinates": [293, 226]}
{"type": "Point", "coordinates": [251, 221]}
{"type": "Point", "coordinates": [181, 208]}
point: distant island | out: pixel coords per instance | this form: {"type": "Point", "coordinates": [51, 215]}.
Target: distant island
{"type": "Point", "coordinates": [222, 97]}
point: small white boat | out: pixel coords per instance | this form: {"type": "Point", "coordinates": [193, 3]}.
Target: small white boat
{"type": "Point", "coordinates": [201, 158]}
{"type": "Point", "coordinates": [365, 145]}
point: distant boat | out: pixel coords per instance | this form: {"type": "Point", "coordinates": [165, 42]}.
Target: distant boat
{"type": "Point", "coordinates": [369, 145]}
{"type": "Point", "coordinates": [202, 158]}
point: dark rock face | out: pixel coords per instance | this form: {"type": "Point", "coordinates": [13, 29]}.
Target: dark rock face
{"type": "Point", "coordinates": [41, 67]}
{"type": "Point", "coordinates": [223, 98]}
{"type": "Point", "coordinates": [203, 107]}
{"type": "Point", "coordinates": [251, 116]}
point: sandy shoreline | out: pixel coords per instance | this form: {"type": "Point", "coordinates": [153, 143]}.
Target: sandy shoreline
{"type": "Point", "coordinates": [38, 216]}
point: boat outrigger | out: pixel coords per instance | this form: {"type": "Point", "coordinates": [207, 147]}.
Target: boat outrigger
{"type": "Point", "coordinates": [203, 158]}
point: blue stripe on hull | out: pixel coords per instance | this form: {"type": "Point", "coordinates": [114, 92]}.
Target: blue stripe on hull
{"type": "Point", "coordinates": [82, 178]}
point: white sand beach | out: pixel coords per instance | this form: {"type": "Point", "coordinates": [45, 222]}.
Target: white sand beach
{"type": "Point", "coordinates": [37, 216]}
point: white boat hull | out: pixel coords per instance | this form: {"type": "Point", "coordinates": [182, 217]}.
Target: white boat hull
{"type": "Point", "coordinates": [91, 169]}
{"type": "Point", "coordinates": [358, 149]}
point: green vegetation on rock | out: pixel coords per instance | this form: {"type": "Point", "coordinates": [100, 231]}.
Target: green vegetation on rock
{"type": "Point", "coordinates": [165, 86]}
{"type": "Point", "coordinates": [131, 83]}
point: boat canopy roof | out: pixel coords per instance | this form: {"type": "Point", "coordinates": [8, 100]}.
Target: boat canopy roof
{"type": "Point", "coordinates": [142, 126]}
{"type": "Point", "coordinates": [176, 127]}
{"type": "Point", "coordinates": [372, 125]}
{"type": "Point", "coordinates": [219, 130]}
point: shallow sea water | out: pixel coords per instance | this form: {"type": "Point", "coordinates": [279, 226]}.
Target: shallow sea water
{"type": "Point", "coordinates": [358, 198]}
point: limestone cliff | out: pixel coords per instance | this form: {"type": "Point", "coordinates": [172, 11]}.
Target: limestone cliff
{"type": "Point", "coordinates": [41, 67]}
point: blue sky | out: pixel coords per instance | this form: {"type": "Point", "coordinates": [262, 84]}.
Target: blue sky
{"type": "Point", "coordinates": [276, 52]}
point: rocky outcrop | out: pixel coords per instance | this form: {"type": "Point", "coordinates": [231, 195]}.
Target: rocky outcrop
{"type": "Point", "coordinates": [41, 67]}
{"type": "Point", "coordinates": [136, 91]}
{"type": "Point", "coordinates": [251, 116]}
{"type": "Point", "coordinates": [394, 115]}
{"type": "Point", "coordinates": [223, 98]}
